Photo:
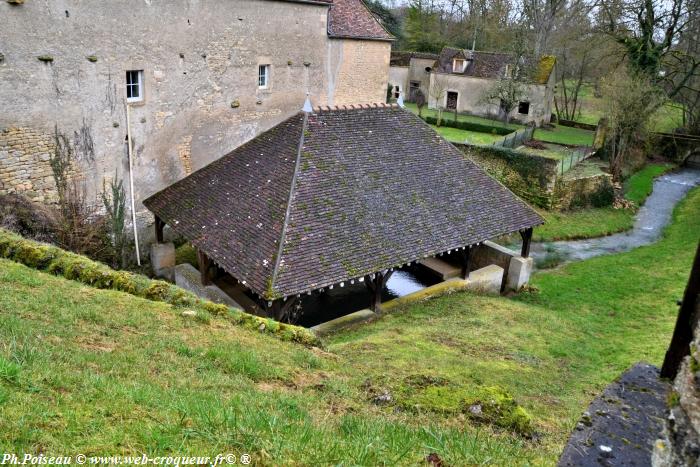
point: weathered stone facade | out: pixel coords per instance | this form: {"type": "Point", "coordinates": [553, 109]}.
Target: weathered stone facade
{"type": "Point", "coordinates": [65, 65]}
{"type": "Point", "coordinates": [24, 164]}
{"type": "Point", "coordinates": [680, 444]}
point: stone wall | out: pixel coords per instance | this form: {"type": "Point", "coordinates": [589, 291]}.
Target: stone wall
{"type": "Point", "coordinates": [680, 444]}
{"type": "Point", "coordinates": [65, 61]}
{"type": "Point", "coordinates": [24, 164]}
{"type": "Point", "coordinates": [579, 192]}
{"type": "Point", "coordinates": [359, 71]}
{"type": "Point", "coordinates": [531, 177]}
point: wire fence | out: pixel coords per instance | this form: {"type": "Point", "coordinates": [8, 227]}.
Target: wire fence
{"type": "Point", "coordinates": [516, 139]}
{"type": "Point", "coordinates": [574, 157]}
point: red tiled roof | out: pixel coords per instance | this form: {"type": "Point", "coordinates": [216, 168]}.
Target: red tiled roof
{"type": "Point", "coordinates": [337, 195]}
{"type": "Point", "coordinates": [352, 19]}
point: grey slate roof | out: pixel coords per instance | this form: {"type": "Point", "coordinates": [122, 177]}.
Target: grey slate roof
{"type": "Point", "coordinates": [335, 195]}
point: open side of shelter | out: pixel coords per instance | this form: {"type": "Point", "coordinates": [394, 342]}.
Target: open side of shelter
{"type": "Point", "coordinates": [333, 197]}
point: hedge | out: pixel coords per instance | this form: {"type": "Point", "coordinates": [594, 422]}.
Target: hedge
{"type": "Point", "coordinates": [72, 266]}
{"type": "Point", "coordinates": [471, 126]}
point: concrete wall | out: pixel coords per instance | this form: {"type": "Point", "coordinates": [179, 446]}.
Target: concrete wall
{"type": "Point", "coordinates": [470, 97]}
{"type": "Point", "coordinates": [200, 62]}
{"type": "Point", "coordinates": [398, 76]}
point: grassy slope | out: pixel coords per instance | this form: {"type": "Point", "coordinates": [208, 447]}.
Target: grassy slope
{"type": "Point", "coordinates": [554, 349]}
{"type": "Point", "coordinates": [597, 222]}
{"type": "Point", "coordinates": [104, 372]}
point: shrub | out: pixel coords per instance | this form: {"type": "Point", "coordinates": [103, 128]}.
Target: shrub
{"type": "Point", "coordinates": [32, 220]}
{"type": "Point", "coordinates": [75, 267]}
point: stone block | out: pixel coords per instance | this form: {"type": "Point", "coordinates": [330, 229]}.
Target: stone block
{"type": "Point", "coordinates": [343, 322]}
{"type": "Point", "coordinates": [163, 259]}
{"type": "Point", "coordinates": [518, 272]}
{"type": "Point", "coordinates": [486, 280]}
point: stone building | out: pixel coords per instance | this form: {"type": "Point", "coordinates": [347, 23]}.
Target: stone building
{"type": "Point", "coordinates": [199, 77]}
{"type": "Point", "coordinates": [457, 79]}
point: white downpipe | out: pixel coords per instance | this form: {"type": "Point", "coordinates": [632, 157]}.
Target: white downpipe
{"type": "Point", "coordinates": [131, 183]}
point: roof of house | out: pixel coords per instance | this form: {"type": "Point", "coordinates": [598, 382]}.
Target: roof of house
{"type": "Point", "coordinates": [352, 19]}
{"type": "Point", "coordinates": [336, 195]}
{"type": "Point", "coordinates": [403, 57]}
{"type": "Point", "coordinates": [492, 65]}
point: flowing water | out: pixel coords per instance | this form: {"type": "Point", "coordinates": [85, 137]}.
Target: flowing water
{"type": "Point", "coordinates": [652, 217]}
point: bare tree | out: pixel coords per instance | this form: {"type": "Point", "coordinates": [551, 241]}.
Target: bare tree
{"type": "Point", "coordinates": [631, 97]}
{"type": "Point", "coordinates": [437, 91]}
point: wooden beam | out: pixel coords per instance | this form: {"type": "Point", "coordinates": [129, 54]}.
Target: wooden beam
{"type": "Point", "coordinates": [159, 225]}
{"type": "Point", "coordinates": [466, 258]}
{"type": "Point", "coordinates": [204, 263]}
{"type": "Point", "coordinates": [685, 323]}
{"type": "Point", "coordinates": [527, 238]}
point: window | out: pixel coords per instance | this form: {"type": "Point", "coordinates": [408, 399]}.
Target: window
{"type": "Point", "coordinates": [134, 86]}
{"type": "Point", "coordinates": [397, 91]}
{"type": "Point", "coordinates": [524, 108]}
{"type": "Point", "coordinates": [264, 76]}
{"type": "Point", "coordinates": [458, 65]}
{"type": "Point", "coordinates": [452, 100]}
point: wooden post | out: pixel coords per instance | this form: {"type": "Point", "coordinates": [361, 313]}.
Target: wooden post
{"type": "Point", "coordinates": [159, 229]}
{"type": "Point", "coordinates": [204, 262]}
{"type": "Point", "coordinates": [466, 257]}
{"type": "Point", "coordinates": [376, 286]}
{"type": "Point", "coordinates": [527, 238]}
{"type": "Point", "coordinates": [280, 309]}
{"type": "Point", "coordinates": [685, 323]}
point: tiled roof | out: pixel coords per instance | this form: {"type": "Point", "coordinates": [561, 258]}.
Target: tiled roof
{"type": "Point", "coordinates": [352, 19]}
{"type": "Point", "coordinates": [492, 65]}
{"type": "Point", "coordinates": [403, 58]}
{"type": "Point", "coordinates": [336, 195]}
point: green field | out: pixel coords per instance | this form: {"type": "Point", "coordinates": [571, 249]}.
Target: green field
{"type": "Point", "coordinates": [102, 372]}
{"type": "Point", "coordinates": [592, 108]}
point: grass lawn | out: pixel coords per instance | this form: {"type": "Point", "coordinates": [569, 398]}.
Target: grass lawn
{"type": "Point", "coordinates": [598, 222]}
{"type": "Point", "coordinates": [101, 372]}
{"type": "Point", "coordinates": [463, 136]}
{"type": "Point", "coordinates": [602, 316]}
{"type": "Point", "coordinates": [565, 135]}
{"type": "Point", "coordinates": [560, 134]}
{"type": "Point", "coordinates": [665, 119]}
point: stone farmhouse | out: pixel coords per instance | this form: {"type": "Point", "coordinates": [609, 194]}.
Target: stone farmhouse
{"type": "Point", "coordinates": [199, 78]}
{"type": "Point", "coordinates": [457, 79]}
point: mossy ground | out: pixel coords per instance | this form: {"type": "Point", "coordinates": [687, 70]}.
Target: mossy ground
{"type": "Point", "coordinates": [101, 371]}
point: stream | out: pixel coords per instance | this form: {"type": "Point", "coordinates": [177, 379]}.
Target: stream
{"type": "Point", "coordinates": [649, 223]}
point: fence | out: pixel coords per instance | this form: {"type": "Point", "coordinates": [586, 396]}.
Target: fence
{"type": "Point", "coordinates": [576, 156]}
{"type": "Point", "coordinates": [516, 139]}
